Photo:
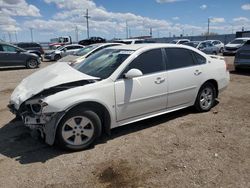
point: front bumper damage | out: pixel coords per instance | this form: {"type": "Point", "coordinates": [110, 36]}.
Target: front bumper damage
{"type": "Point", "coordinates": [46, 124]}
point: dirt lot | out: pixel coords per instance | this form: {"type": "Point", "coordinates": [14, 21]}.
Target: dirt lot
{"type": "Point", "coordinates": [181, 149]}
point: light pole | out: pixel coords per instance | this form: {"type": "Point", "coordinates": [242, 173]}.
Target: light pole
{"type": "Point", "coordinates": [208, 25]}
{"type": "Point", "coordinates": [31, 34]}
{"type": "Point", "coordinates": [87, 19]}
{"type": "Point", "coordinates": [126, 29]}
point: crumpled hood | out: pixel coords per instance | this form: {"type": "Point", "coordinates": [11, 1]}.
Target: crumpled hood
{"type": "Point", "coordinates": [53, 75]}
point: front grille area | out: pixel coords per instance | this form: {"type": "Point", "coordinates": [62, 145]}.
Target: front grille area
{"type": "Point", "coordinates": [231, 49]}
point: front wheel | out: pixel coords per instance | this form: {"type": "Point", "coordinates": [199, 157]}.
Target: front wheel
{"type": "Point", "coordinates": [57, 57]}
{"type": "Point", "coordinates": [206, 98]}
{"type": "Point", "coordinates": [32, 63]}
{"type": "Point", "coordinates": [78, 130]}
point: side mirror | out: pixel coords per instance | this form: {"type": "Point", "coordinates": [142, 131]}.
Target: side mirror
{"type": "Point", "coordinates": [18, 51]}
{"type": "Point", "coordinates": [133, 73]}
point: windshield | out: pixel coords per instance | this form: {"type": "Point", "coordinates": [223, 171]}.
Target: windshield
{"type": "Point", "coordinates": [85, 50]}
{"type": "Point", "coordinates": [60, 48]}
{"type": "Point", "coordinates": [193, 44]}
{"type": "Point", "coordinates": [238, 41]}
{"type": "Point", "coordinates": [103, 63]}
{"type": "Point", "coordinates": [174, 41]}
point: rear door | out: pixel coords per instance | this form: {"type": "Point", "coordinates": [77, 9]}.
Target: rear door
{"type": "Point", "coordinates": [185, 76]}
{"type": "Point", "coordinates": [144, 94]}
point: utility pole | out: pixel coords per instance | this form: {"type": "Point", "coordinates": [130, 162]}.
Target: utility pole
{"type": "Point", "coordinates": [126, 29]}
{"type": "Point", "coordinates": [76, 30]}
{"type": "Point", "coordinates": [9, 37]}
{"type": "Point", "coordinates": [151, 32]}
{"type": "Point", "coordinates": [208, 24]}
{"type": "Point", "coordinates": [87, 19]}
{"type": "Point", "coordinates": [16, 36]}
{"type": "Point", "coordinates": [31, 34]}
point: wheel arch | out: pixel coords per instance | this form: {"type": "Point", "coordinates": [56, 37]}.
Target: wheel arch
{"type": "Point", "coordinates": [98, 108]}
{"type": "Point", "coordinates": [215, 84]}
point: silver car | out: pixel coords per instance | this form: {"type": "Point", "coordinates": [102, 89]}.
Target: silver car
{"type": "Point", "coordinates": [204, 46]}
{"type": "Point", "coordinates": [62, 51]}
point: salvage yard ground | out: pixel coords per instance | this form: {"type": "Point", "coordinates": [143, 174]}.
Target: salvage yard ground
{"type": "Point", "coordinates": [181, 149]}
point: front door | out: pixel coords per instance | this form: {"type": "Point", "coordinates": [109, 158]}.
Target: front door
{"type": "Point", "coordinates": [10, 56]}
{"type": "Point", "coordinates": [144, 94]}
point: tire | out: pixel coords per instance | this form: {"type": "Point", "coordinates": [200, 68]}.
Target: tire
{"type": "Point", "coordinates": [237, 69]}
{"type": "Point", "coordinates": [221, 50]}
{"type": "Point", "coordinates": [32, 64]}
{"type": "Point", "coordinates": [57, 57]}
{"type": "Point", "coordinates": [78, 130]}
{"type": "Point", "coordinates": [205, 99]}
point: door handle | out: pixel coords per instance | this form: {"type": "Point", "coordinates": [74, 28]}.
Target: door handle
{"type": "Point", "coordinates": [159, 80]}
{"type": "Point", "coordinates": [197, 72]}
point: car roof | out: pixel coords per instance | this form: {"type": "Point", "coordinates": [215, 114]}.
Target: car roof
{"type": "Point", "coordinates": [247, 38]}
{"type": "Point", "coordinates": [148, 46]}
{"type": "Point", "coordinates": [128, 40]}
{"type": "Point", "coordinates": [107, 43]}
{"type": "Point", "coordinates": [72, 45]}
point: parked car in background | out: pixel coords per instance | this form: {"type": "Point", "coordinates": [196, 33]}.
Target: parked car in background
{"type": "Point", "coordinates": [132, 41]}
{"type": "Point", "coordinates": [62, 51]}
{"type": "Point", "coordinates": [204, 46]}
{"type": "Point", "coordinates": [232, 47]}
{"type": "Point", "coordinates": [242, 57]}
{"type": "Point", "coordinates": [114, 87]}
{"type": "Point", "coordinates": [11, 55]}
{"type": "Point", "coordinates": [92, 40]}
{"type": "Point", "coordinates": [31, 47]}
{"type": "Point", "coordinates": [85, 52]}
{"type": "Point", "coordinates": [218, 44]}
{"type": "Point", "coordinates": [180, 41]}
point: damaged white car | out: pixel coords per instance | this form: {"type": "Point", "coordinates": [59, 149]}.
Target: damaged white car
{"type": "Point", "coordinates": [72, 106]}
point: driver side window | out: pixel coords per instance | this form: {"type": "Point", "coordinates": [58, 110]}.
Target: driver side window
{"type": "Point", "coordinates": [148, 62]}
{"type": "Point", "coordinates": [7, 48]}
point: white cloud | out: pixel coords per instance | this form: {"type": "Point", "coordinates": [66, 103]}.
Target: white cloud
{"type": "Point", "coordinates": [10, 8]}
{"type": "Point", "coordinates": [217, 20]}
{"type": "Point", "coordinates": [167, 1]}
{"type": "Point", "coordinates": [241, 19]}
{"type": "Point", "coordinates": [19, 8]}
{"type": "Point", "coordinates": [245, 7]}
{"type": "Point", "coordinates": [203, 7]}
{"type": "Point", "coordinates": [175, 18]}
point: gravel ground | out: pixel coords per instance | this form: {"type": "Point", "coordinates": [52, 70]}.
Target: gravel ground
{"type": "Point", "coordinates": [181, 149]}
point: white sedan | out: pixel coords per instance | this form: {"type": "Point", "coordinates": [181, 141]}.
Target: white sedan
{"type": "Point", "coordinates": [72, 106]}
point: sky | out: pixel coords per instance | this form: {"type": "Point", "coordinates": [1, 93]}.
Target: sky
{"type": "Point", "coordinates": [112, 18]}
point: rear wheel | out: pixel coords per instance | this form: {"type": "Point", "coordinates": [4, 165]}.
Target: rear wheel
{"type": "Point", "coordinates": [206, 98]}
{"type": "Point", "coordinates": [32, 63]}
{"type": "Point", "coordinates": [78, 130]}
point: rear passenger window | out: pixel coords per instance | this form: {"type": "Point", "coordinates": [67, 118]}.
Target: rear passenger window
{"type": "Point", "coordinates": [199, 58]}
{"type": "Point", "coordinates": [148, 62]}
{"type": "Point", "coordinates": [178, 58]}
